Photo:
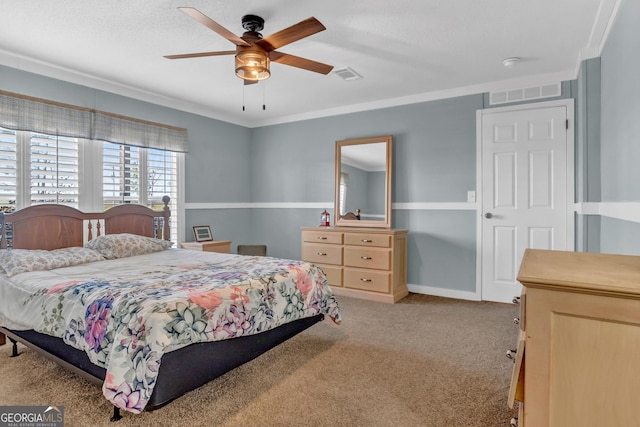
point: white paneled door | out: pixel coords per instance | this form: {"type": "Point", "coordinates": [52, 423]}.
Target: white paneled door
{"type": "Point", "coordinates": [524, 192]}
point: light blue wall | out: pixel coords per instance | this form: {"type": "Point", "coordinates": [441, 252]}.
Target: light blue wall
{"type": "Point", "coordinates": [587, 152]}
{"type": "Point", "coordinates": [293, 162]}
{"type": "Point", "coordinates": [620, 128]}
{"type": "Point", "coordinates": [434, 160]}
{"type": "Point", "coordinates": [620, 131]}
{"type": "Point", "coordinates": [588, 102]}
{"type": "Point", "coordinates": [620, 237]}
{"type": "Point", "coordinates": [441, 248]}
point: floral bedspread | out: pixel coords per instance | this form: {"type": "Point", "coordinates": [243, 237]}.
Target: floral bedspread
{"type": "Point", "coordinates": [125, 314]}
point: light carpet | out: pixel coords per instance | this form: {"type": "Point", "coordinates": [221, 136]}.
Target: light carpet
{"type": "Point", "coordinates": [425, 361]}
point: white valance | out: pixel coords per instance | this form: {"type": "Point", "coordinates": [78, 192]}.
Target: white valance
{"type": "Point", "coordinates": [19, 112]}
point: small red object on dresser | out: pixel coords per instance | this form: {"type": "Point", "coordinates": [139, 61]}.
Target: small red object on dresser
{"type": "Point", "coordinates": [324, 219]}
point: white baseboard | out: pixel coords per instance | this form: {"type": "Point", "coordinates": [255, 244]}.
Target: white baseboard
{"type": "Point", "coordinates": [443, 292]}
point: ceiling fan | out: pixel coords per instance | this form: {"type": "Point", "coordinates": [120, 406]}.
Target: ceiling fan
{"type": "Point", "coordinates": [254, 53]}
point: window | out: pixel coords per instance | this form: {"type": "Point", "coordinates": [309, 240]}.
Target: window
{"type": "Point", "coordinates": [54, 170]}
{"type": "Point", "coordinates": [120, 174]}
{"type": "Point", "coordinates": [140, 175]}
{"type": "Point", "coordinates": [162, 180]}
{"type": "Point", "coordinates": [53, 173]}
{"type": "Point", "coordinates": [344, 181]}
{"type": "Point", "coordinates": [8, 170]}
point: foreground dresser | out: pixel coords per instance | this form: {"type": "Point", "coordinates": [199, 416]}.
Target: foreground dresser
{"type": "Point", "coordinates": [580, 340]}
{"type": "Point", "coordinates": [368, 263]}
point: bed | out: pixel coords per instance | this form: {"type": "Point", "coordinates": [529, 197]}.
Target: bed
{"type": "Point", "coordinates": [106, 296]}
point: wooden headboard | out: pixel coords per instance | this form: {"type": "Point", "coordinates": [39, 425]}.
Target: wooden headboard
{"type": "Point", "coordinates": [58, 226]}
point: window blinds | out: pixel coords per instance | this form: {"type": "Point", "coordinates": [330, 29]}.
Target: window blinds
{"type": "Point", "coordinates": [8, 168]}
{"type": "Point", "coordinates": [19, 112]}
{"type": "Point", "coordinates": [54, 170]}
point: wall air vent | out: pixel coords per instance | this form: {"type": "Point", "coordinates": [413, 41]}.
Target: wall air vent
{"type": "Point", "coordinates": [525, 94]}
{"type": "Point", "coordinates": [347, 74]}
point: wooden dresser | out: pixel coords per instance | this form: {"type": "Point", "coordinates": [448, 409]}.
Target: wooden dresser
{"type": "Point", "coordinates": [580, 340]}
{"type": "Point", "coordinates": [368, 263]}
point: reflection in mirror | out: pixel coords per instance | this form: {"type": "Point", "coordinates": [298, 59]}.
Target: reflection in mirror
{"type": "Point", "coordinates": [363, 182]}
{"type": "Point", "coordinates": [363, 171]}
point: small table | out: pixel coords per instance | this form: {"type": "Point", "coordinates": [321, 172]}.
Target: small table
{"type": "Point", "coordinates": [222, 246]}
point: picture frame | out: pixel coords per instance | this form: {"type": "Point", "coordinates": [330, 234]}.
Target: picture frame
{"type": "Point", "coordinates": [202, 233]}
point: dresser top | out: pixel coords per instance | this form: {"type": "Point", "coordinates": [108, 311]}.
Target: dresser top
{"type": "Point", "coordinates": [581, 272]}
{"type": "Point", "coordinates": [368, 230]}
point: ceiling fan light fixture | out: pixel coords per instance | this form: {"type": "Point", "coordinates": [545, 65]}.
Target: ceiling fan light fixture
{"type": "Point", "coordinates": [253, 54]}
{"type": "Point", "coordinates": [252, 64]}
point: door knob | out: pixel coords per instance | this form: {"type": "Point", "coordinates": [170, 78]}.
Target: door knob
{"type": "Point", "coordinates": [488, 215]}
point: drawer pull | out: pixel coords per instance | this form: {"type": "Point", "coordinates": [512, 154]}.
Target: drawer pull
{"type": "Point", "coordinates": [322, 238]}
{"type": "Point", "coordinates": [516, 300]}
{"type": "Point", "coordinates": [366, 240]}
{"type": "Point", "coordinates": [511, 354]}
{"type": "Point", "coordinates": [516, 320]}
{"type": "Point", "coordinates": [322, 253]}
{"type": "Point", "coordinates": [362, 279]}
{"type": "Point", "coordinates": [366, 257]}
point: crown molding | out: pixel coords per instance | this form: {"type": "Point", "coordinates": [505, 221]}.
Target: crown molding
{"type": "Point", "coordinates": [23, 63]}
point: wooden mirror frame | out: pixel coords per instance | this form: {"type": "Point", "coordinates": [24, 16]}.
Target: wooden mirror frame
{"type": "Point", "coordinates": [386, 223]}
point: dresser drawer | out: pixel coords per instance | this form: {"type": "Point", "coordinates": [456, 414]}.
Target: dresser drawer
{"type": "Point", "coordinates": [377, 258]}
{"type": "Point", "coordinates": [322, 254]}
{"type": "Point", "coordinates": [321, 236]}
{"type": "Point", "coordinates": [334, 274]}
{"type": "Point", "coordinates": [367, 280]}
{"type": "Point", "coordinates": [363, 239]}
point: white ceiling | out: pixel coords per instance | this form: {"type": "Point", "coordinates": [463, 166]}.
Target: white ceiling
{"type": "Point", "coordinates": [406, 50]}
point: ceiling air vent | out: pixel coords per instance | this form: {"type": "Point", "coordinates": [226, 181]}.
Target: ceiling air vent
{"type": "Point", "coordinates": [525, 94]}
{"type": "Point", "coordinates": [347, 74]}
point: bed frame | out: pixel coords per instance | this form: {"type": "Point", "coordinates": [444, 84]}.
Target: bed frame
{"type": "Point", "coordinates": [55, 226]}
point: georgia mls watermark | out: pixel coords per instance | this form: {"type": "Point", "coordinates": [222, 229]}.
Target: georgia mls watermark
{"type": "Point", "coordinates": [31, 416]}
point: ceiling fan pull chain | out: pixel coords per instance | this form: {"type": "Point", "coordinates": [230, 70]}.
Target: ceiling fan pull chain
{"type": "Point", "coordinates": [264, 103]}
{"type": "Point", "coordinates": [242, 97]}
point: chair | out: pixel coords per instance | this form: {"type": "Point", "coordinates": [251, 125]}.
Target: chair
{"type": "Point", "coordinates": [254, 250]}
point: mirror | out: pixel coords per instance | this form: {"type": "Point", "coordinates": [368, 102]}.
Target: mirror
{"type": "Point", "coordinates": [363, 182]}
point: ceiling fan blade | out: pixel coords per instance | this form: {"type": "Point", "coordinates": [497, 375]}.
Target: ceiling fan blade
{"type": "Point", "coordinates": [201, 54]}
{"type": "Point", "coordinates": [296, 61]}
{"type": "Point", "coordinates": [213, 25]}
{"type": "Point", "coordinates": [289, 35]}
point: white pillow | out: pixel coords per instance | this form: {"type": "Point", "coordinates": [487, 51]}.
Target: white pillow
{"type": "Point", "coordinates": [114, 246]}
{"type": "Point", "coordinates": [16, 261]}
